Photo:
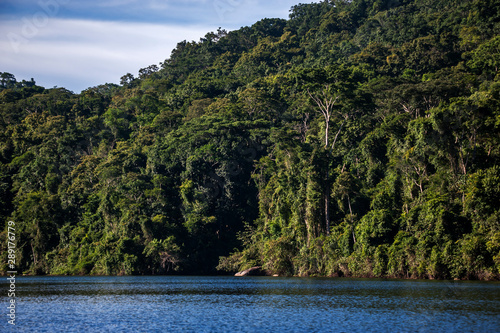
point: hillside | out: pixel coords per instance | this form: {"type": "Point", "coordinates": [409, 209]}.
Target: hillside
{"type": "Point", "coordinates": [356, 138]}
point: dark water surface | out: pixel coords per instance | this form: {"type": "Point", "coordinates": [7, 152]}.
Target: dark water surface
{"type": "Point", "coordinates": [251, 304]}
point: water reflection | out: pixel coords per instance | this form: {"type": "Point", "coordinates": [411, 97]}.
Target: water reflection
{"type": "Point", "coordinates": [223, 304]}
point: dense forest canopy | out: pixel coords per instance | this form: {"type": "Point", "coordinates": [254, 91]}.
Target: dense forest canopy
{"type": "Point", "coordinates": [356, 138]}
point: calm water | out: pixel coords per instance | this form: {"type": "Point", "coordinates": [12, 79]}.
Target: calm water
{"type": "Point", "coordinates": [251, 304]}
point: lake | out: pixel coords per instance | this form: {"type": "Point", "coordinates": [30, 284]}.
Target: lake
{"type": "Point", "coordinates": [252, 304]}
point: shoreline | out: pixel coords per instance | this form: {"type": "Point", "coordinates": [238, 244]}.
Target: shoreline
{"type": "Point", "coordinates": [388, 278]}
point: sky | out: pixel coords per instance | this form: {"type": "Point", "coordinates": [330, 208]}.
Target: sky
{"type": "Point", "coordinates": [77, 44]}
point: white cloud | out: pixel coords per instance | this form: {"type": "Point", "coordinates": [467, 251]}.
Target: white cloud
{"type": "Point", "coordinates": [77, 54]}
{"type": "Point", "coordinates": [114, 3]}
{"type": "Point", "coordinates": [57, 49]}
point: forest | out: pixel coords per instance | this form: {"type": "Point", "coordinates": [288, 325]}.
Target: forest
{"type": "Point", "coordinates": [356, 138]}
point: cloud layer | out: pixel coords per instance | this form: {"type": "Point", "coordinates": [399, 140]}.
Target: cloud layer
{"type": "Point", "coordinates": [78, 54]}
{"type": "Point", "coordinates": [79, 44]}
{"type": "Point", "coordinates": [233, 13]}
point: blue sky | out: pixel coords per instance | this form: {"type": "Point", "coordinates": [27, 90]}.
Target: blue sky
{"type": "Point", "coordinates": [79, 44]}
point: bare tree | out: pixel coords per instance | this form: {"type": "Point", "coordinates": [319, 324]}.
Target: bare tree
{"type": "Point", "coordinates": [325, 103]}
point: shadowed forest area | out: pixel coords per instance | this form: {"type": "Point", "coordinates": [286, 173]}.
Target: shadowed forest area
{"type": "Point", "coordinates": [357, 138]}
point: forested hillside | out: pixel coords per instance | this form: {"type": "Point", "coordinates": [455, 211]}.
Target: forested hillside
{"type": "Point", "coordinates": [356, 138]}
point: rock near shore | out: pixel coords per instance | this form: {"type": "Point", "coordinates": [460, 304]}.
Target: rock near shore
{"type": "Point", "coordinates": [254, 271]}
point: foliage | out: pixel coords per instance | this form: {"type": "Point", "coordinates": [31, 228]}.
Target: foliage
{"type": "Point", "coordinates": [357, 138]}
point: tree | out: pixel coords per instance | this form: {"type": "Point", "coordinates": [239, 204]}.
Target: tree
{"type": "Point", "coordinates": [7, 80]}
{"type": "Point", "coordinates": [325, 103]}
{"type": "Point", "coordinates": [127, 80]}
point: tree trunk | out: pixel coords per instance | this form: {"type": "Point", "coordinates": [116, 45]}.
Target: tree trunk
{"type": "Point", "coordinates": [327, 211]}
{"type": "Point", "coordinates": [327, 201]}
{"type": "Point", "coordinates": [325, 103]}
{"type": "Point", "coordinates": [327, 123]}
